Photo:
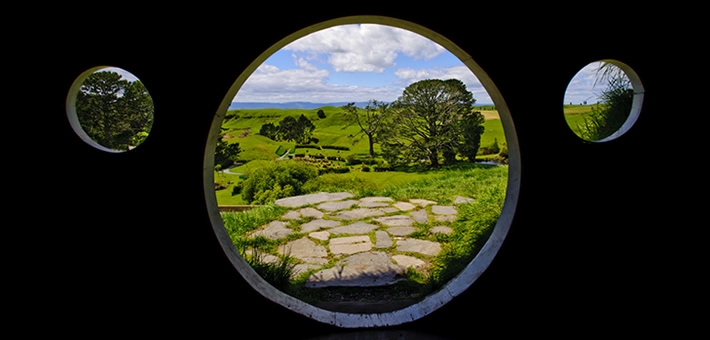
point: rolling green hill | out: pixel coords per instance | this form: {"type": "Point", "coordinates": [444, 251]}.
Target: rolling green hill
{"type": "Point", "coordinates": [242, 126]}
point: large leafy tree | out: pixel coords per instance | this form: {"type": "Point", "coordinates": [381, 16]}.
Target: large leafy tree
{"type": "Point", "coordinates": [368, 119]}
{"type": "Point", "coordinates": [114, 112]}
{"type": "Point", "coordinates": [289, 129]}
{"type": "Point", "coordinates": [426, 121]}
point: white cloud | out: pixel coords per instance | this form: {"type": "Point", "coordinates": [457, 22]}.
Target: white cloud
{"type": "Point", "coordinates": [365, 48]}
{"type": "Point", "coordinates": [271, 84]}
{"type": "Point", "coordinates": [408, 76]}
{"type": "Point", "coordinates": [582, 87]}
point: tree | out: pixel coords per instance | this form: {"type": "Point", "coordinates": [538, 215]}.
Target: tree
{"type": "Point", "coordinates": [226, 153]}
{"type": "Point", "coordinates": [114, 112]}
{"type": "Point", "coordinates": [304, 129]}
{"type": "Point", "coordinates": [471, 128]}
{"type": "Point", "coordinates": [269, 130]}
{"type": "Point", "coordinates": [425, 120]}
{"type": "Point", "coordinates": [321, 114]}
{"type": "Point", "coordinates": [615, 106]}
{"type": "Point", "coordinates": [289, 129]}
{"type": "Point", "coordinates": [369, 120]}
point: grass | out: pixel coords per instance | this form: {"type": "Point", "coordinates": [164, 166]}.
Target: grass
{"type": "Point", "coordinates": [487, 184]}
{"type": "Point", "coordinates": [575, 116]}
{"type": "Point", "coordinates": [331, 130]}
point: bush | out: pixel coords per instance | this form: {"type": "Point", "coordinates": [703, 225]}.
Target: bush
{"type": "Point", "coordinates": [352, 159]}
{"type": "Point", "coordinates": [333, 171]}
{"type": "Point", "coordinates": [336, 147]}
{"type": "Point", "coordinates": [237, 189]}
{"type": "Point", "coordinates": [278, 180]}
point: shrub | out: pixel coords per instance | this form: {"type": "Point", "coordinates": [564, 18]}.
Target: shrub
{"type": "Point", "coordinates": [237, 189]}
{"type": "Point", "coordinates": [352, 159]}
{"type": "Point", "coordinates": [336, 147]}
{"type": "Point", "coordinates": [365, 168]}
{"type": "Point", "coordinates": [278, 180]}
{"type": "Point", "coordinates": [333, 170]}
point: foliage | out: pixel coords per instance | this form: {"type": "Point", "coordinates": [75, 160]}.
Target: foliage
{"type": "Point", "coordinates": [114, 112]}
{"type": "Point", "coordinates": [225, 153]}
{"type": "Point", "coordinates": [369, 120]}
{"type": "Point", "coordinates": [616, 99]}
{"type": "Point", "coordinates": [472, 127]}
{"type": "Point", "coordinates": [276, 180]}
{"type": "Point", "coordinates": [321, 114]}
{"type": "Point", "coordinates": [289, 129]}
{"type": "Point", "coordinates": [426, 120]}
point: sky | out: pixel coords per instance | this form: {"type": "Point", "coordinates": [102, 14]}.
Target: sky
{"type": "Point", "coordinates": [357, 63]}
{"type": "Point", "coordinates": [354, 63]}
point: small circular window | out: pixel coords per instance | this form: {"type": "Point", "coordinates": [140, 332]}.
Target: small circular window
{"type": "Point", "coordinates": [110, 109]}
{"type": "Point", "coordinates": [603, 100]}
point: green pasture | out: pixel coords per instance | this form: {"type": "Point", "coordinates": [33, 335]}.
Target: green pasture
{"type": "Point", "coordinates": [575, 115]}
{"type": "Point", "coordinates": [242, 126]}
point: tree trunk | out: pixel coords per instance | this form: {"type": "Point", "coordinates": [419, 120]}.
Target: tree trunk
{"type": "Point", "coordinates": [372, 146]}
{"type": "Point", "coordinates": [434, 158]}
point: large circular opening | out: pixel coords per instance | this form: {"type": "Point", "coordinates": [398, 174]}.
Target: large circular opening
{"type": "Point", "coordinates": [331, 226]}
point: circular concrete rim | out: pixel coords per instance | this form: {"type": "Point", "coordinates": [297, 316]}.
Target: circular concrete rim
{"type": "Point", "coordinates": [71, 108]}
{"type": "Point", "coordinates": [636, 103]}
{"type": "Point", "coordinates": [432, 302]}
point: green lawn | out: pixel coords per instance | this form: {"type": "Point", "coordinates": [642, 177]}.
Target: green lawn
{"type": "Point", "coordinates": [242, 126]}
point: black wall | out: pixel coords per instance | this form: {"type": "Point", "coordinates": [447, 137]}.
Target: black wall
{"type": "Point", "coordinates": [600, 241]}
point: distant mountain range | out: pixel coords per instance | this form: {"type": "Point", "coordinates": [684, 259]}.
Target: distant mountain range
{"type": "Point", "coordinates": [289, 105]}
{"type": "Point", "coordinates": [294, 105]}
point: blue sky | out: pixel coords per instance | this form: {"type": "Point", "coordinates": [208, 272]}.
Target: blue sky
{"type": "Point", "coordinates": [354, 63]}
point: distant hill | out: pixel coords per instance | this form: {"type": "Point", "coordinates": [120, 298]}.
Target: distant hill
{"type": "Point", "coordinates": [295, 105]}
{"type": "Point", "coordinates": [289, 105]}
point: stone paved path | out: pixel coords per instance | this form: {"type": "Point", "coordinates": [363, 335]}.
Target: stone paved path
{"type": "Point", "coordinates": [373, 238]}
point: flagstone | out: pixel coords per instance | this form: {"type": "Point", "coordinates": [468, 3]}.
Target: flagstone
{"type": "Point", "coordinates": [401, 231]}
{"type": "Point", "coordinates": [419, 216]}
{"type": "Point", "coordinates": [274, 230]}
{"type": "Point", "coordinates": [318, 224]}
{"type": "Point", "coordinates": [396, 221]}
{"type": "Point", "coordinates": [359, 213]}
{"type": "Point", "coordinates": [404, 206]}
{"type": "Point", "coordinates": [421, 202]}
{"type": "Point", "coordinates": [303, 200]}
{"type": "Point", "coordinates": [303, 248]}
{"type": "Point", "coordinates": [409, 261]}
{"type": "Point", "coordinates": [320, 235]}
{"type": "Point", "coordinates": [443, 210]}
{"type": "Point", "coordinates": [355, 228]}
{"type": "Point", "coordinates": [339, 205]}
{"type": "Point", "coordinates": [382, 239]}
{"type": "Point", "coordinates": [349, 245]}
{"type": "Point", "coordinates": [419, 246]}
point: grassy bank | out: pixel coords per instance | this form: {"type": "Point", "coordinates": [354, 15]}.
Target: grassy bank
{"type": "Point", "coordinates": [485, 183]}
